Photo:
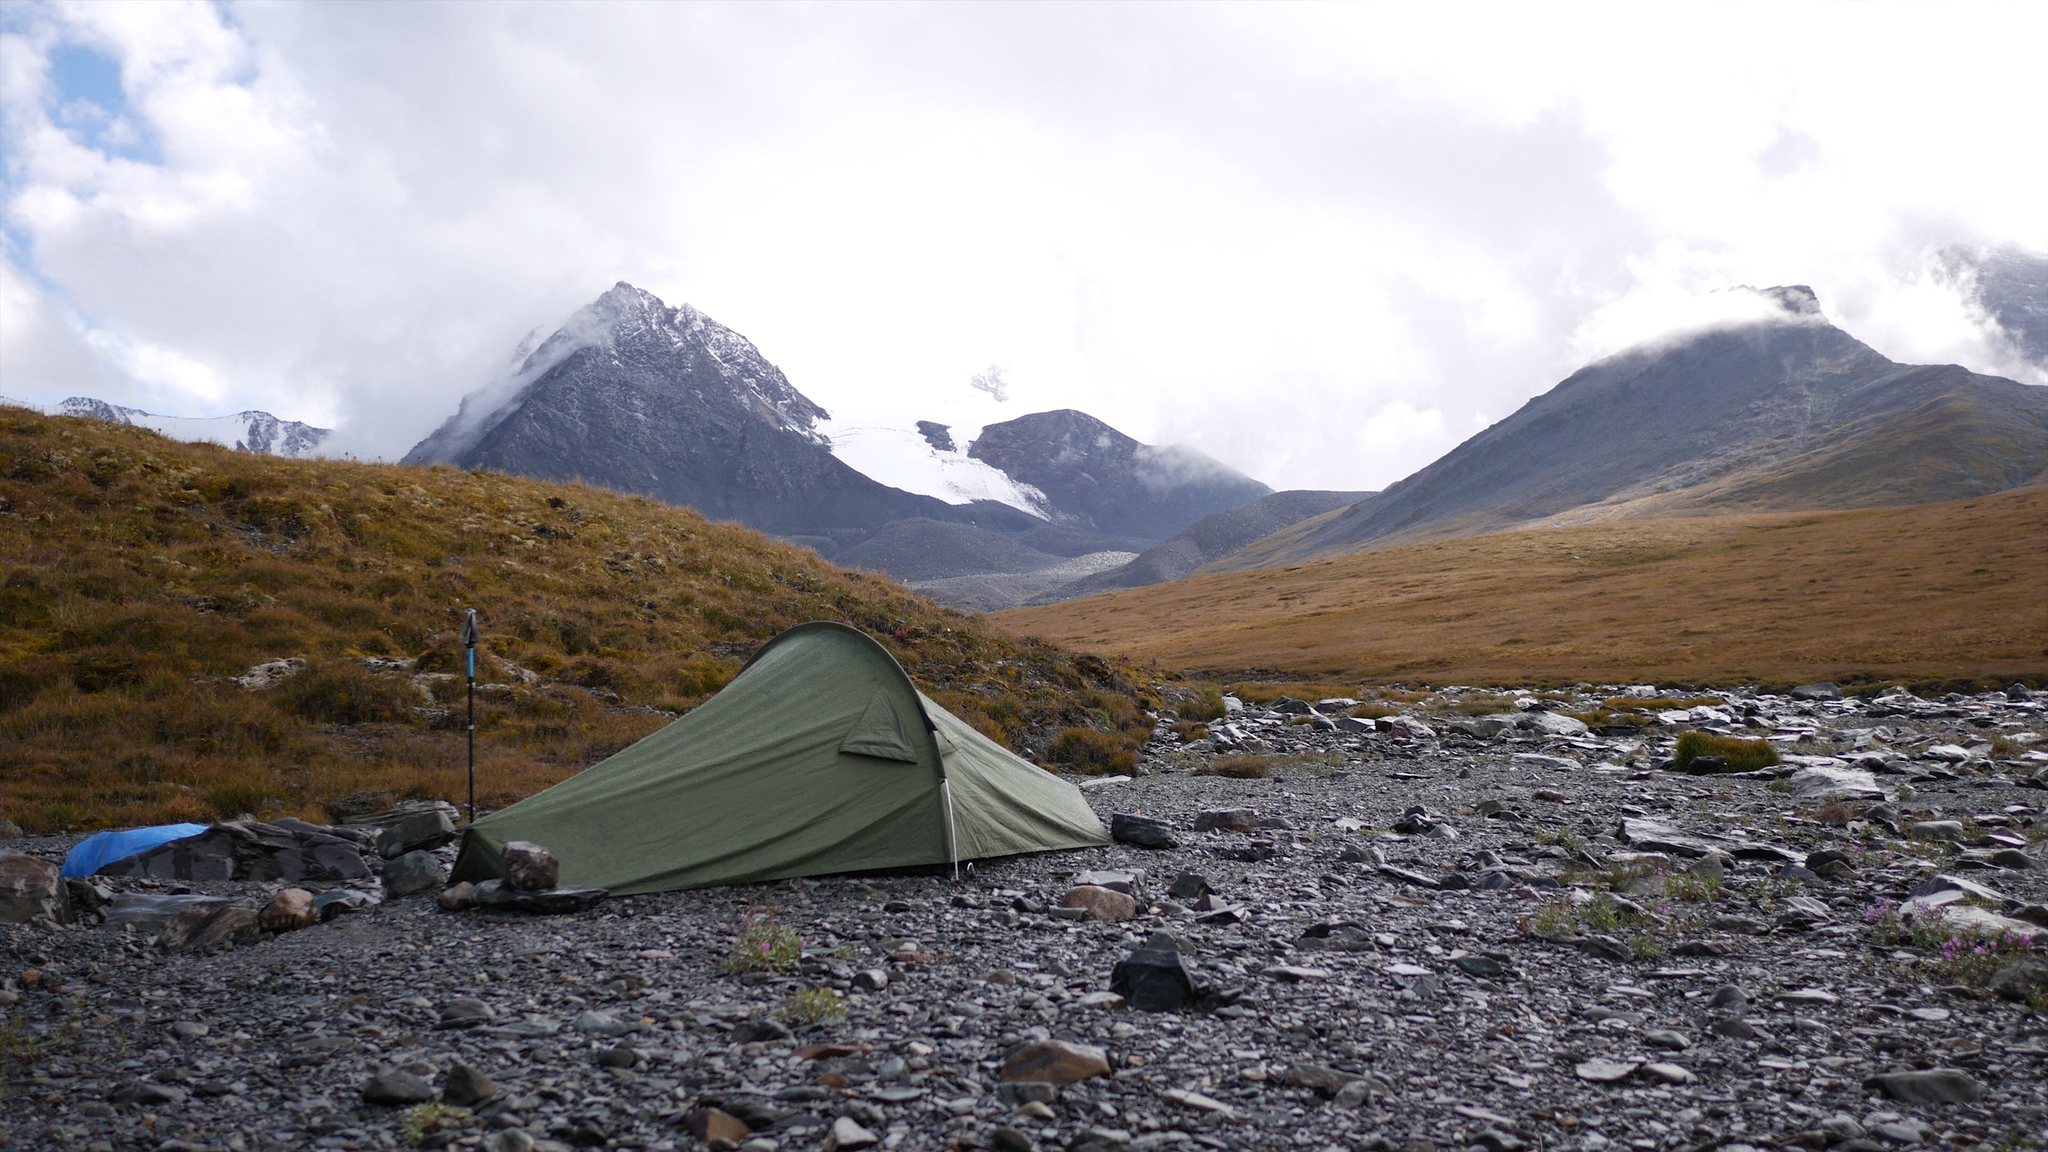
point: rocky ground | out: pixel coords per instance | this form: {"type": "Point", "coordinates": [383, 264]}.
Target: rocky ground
{"type": "Point", "coordinates": [1569, 945]}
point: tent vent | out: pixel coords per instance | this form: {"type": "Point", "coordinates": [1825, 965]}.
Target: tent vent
{"type": "Point", "coordinates": [879, 733]}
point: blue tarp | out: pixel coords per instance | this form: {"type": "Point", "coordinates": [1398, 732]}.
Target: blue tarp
{"type": "Point", "coordinates": [103, 848]}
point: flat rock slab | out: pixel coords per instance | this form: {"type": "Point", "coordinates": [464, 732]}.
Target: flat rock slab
{"type": "Point", "coordinates": [1606, 1071]}
{"type": "Point", "coordinates": [1932, 1086]}
{"type": "Point", "coordinates": [561, 901]}
{"type": "Point", "coordinates": [1140, 832]}
{"type": "Point", "coordinates": [1828, 782]}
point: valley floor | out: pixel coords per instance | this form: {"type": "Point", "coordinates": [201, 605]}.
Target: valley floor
{"type": "Point", "coordinates": [1928, 591]}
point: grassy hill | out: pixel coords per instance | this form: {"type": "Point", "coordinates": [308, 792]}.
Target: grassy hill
{"type": "Point", "coordinates": [1933, 591]}
{"type": "Point", "coordinates": [140, 576]}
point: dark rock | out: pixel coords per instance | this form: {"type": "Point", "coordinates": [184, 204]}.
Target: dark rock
{"type": "Point", "coordinates": [397, 1088]}
{"type": "Point", "coordinates": [422, 826]}
{"type": "Point", "coordinates": [1189, 886]}
{"type": "Point", "coordinates": [414, 872]}
{"type": "Point", "coordinates": [1154, 980]}
{"type": "Point", "coordinates": [465, 1087]}
{"type": "Point", "coordinates": [751, 1031]}
{"type": "Point", "coordinates": [557, 901]}
{"type": "Point", "coordinates": [530, 867]}
{"type": "Point", "coordinates": [1141, 832]}
{"type": "Point", "coordinates": [2023, 978]}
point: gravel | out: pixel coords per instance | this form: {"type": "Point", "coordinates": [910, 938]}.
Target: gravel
{"type": "Point", "coordinates": [1569, 945]}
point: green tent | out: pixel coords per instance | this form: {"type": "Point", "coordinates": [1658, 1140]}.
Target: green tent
{"type": "Point", "coordinates": [821, 757]}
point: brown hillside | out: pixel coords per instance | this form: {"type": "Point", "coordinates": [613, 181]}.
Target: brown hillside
{"type": "Point", "coordinates": [1935, 590]}
{"type": "Point", "coordinates": [138, 575]}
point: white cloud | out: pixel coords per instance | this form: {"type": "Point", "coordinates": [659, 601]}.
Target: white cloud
{"type": "Point", "coordinates": [1311, 241]}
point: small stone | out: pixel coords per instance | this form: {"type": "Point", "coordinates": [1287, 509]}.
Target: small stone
{"type": "Point", "coordinates": [457, 897]}
{"type": "Point", "coordinates": [1099, 903]}
{"type": "Point", "coordinates": [1027, 1092]}
{"type": "Point", "coordinates": [1728, 998]}
{"type": "Point", "coordinates": [2024, 977]}
{"type": "Point", "coordinates": [1227, 820]}
{"type": "Point", "coordinates": [1820, 690]}
{"type": "Point", "coordinates": [530, 867]}
{"type": "Point", "coordinates": [1936, 829]}
{"type": "Point", "coordinates": [412, 872]}
{"type": "Point", "coordinates": [1668, 1073]}
{"type": "Point", "coordinates": [465, 1087]}
{"type": "Point", "coordinates": [1932, 1086]}
{"type": "Point", "coordinates": [874, 980]}
{"type": "Point", "coordinates": [1189, 886]}
{"type": "Point", "coordinates": [1010, 1140]}
{"type": "Point", "coordinates": [1667, 1039]}
{"type": "Point", "coordinates": [1141, 832]}
{"type": "Point", "coordinates": [622, 1056]}
{"type": "Point", "coordinates": [465, 1012]}
{"type": "Point", "coordinates": [847, 1133]}
{"type": "Point", "coordinates": [1606, 1071]}
{"type": "Point", "coordinates": [709, 1124]}
{"type": "Point", "coordinates": [397, 1088]}
{"type": "Point", "coordinates": [288, 911]}
{"type": "Point", "coordinates": [1732, 1028]}
{"type": "Point", "coordinates": [1291, 974]}
{"type": "Point", "coordinates": [189, 1029]}
{"type": "Point", "coordinates": [1055, 1062]}
{"type": "Point", "coordinates": [507, 1140]}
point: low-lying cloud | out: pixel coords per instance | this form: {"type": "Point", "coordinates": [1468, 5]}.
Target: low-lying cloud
{"type": "Point", "coordinates": [1321, 244]}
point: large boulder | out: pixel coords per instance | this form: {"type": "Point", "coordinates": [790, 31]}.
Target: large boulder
{"type": "Point", "coordinates": [32, 891]}
{"type": "Point", "coordinates": [285, 849]}
{"type": "Point", "coordinates": [414, 872]}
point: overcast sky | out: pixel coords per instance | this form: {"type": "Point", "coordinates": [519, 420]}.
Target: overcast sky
{"type": "Point", "coordinates": [1322, 243]}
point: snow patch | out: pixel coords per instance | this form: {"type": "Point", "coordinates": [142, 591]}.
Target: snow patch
{"type": "Point", "coordinates": [257, 432]}
{"type": "Point", "coordinates": [904, 458]}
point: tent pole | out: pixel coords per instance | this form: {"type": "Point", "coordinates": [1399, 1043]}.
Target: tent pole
{"type": "Point", "coordinates": [952, 840]}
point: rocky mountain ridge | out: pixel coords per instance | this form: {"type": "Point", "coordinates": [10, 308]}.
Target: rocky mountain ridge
{"type": "Point", "coordinates": [252, 431]}
{"type": "Point", "coordinates": [1789, 412]}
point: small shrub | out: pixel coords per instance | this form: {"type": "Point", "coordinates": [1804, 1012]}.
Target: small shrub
{"type": "Point", "coordinates": [1187, 730]}
{"type": "Point", "coordinates": [1643, 946]}
{"type": "Point", "coordinates": [812, 1006]}
{"type": "Point", "coordinates": [1373, 711]}
{"type": "Point", "coordinates": [423, 1120]}
{"type": "Point", "coordinates": [1557, 918]}
{"type": "Point", "coordinates": [232, 800]}
{"type": "Point", "coordinates": [1693, 886]}
{"type": "Point", "coordinates": [1208, 705]}
{"type": "Point", "coordinates": [1240, 767]}
{"type": "Point", "coordinates": [1092, 753]}
{"type": "Point", "coordinates": [1742, 755]}
{"type": "Point", "coordinates": [1602, 914]}
{"type": "Point", "coordinates": [347, 693]}
{"type": "Point", "coordinates": [764, 945]}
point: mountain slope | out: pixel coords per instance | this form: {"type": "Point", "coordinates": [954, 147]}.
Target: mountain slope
{"type": "Point", "coordinates": [1785, 412]}
{"type": "Point", "coordinates": [634, 395]}
{"type": "Point", "coordinates": [1095, 476]}
{"type": "Point", "coordinates": [1209, 539]}
{"type": "Point", "coordinates": [143, 576]}
{"type": "Point", "coordinates": [1926, 591]}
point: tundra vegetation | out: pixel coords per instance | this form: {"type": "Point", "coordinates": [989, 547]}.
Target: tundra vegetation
{"type": "Point", "coordinates": [142, 579]}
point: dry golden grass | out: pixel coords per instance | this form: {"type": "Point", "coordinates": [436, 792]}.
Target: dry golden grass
{"type": "Point", "coordinates": [137, 574]}
{"type": "Point", "coordinates": [1929, 592]}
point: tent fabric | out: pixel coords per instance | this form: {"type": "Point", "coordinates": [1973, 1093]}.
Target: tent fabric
{"type": "Point", "coordinates": [103, 848]}
{"type": "Point", "coordinates": [820, 757]}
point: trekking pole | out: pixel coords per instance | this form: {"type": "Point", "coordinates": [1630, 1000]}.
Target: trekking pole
{"type": "Point", "coordinates": [469, 639]}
